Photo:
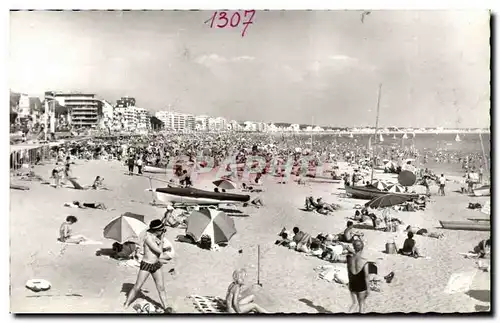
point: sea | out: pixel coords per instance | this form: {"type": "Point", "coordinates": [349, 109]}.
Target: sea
{"type": "Point", "coordinates": [470, 143]}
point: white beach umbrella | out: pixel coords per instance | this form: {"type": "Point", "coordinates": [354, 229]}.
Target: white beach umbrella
{"type": "Point", "coordinates": [396, 188]}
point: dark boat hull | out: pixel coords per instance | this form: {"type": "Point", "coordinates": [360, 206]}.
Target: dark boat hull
{"type": "Point", "coordinates": [197, 196]}
{"type": "Point", "coordinates": [361, 192]}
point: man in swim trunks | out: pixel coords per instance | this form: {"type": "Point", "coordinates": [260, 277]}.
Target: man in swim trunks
{"type": "Point", "coordinates": [150, 264]}
{"type": "Point", "coordinates": [357, 271]}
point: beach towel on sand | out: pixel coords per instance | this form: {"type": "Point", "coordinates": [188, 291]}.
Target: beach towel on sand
{"type": "Point", "coordinates": [209, 304]}
{"type": "Point", "coordinates": [89, 242]}
{"type": "Point", "coordinates": [460, 282]}
{"type": "Point", "coordinates": [331, 273]}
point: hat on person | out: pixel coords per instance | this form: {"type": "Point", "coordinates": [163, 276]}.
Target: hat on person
{"type": "Point", "coordinates": [156, 225]}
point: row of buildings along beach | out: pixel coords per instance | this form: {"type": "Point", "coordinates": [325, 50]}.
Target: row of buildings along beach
{"type": "Point", "coordinates": [86, 110]}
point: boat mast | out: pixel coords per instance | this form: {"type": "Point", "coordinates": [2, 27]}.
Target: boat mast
{"type": "Point", "coordinates": [376, 127]}
{"type": "Point", "coordinates": [485, 161]}
{"type": "Point", "coordinates": [312, 125]}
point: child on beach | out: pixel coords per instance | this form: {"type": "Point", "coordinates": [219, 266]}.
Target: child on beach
{"type": "Point", "coordinates": [56, 175]}
{"type": "Point", "coordinates": [409, 247]}
{"type": "Point", "coordinates": [234, 302]}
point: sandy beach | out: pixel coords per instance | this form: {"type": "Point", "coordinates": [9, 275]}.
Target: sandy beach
{"type": "Point", "coordinates": [289, 282]}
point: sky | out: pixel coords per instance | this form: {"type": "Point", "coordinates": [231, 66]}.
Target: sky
{"type": "Point", "coordinates": [312, 67]}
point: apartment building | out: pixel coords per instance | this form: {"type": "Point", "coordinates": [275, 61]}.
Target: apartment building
{"type": "Point", "coordinates": [177, 121]}
{"type": "Point", "coordinates": [83, 107]}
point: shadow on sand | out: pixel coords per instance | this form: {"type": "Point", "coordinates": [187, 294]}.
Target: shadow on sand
{"type": "Point", "coordinates": [105, 252]}
{"type": "Point", "coordinates": [318, 308]}
{"type": "Point", "coordinates": [126, 287]}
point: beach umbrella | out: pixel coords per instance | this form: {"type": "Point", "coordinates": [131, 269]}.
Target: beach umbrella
{"type": "Point", "coordinates": [212, 222]}
{"type": "Point", "coordinates": [224, 184]}
{"type": "Point", "coordinates": [378, 184]}
{"type": "Point", "coordinates": [407, 178]}
{"type": "Point", "coordinates": [125, 228]}
{"type": "Point", "coordinates": [387, 200]}
{"type": "Point", "coordinates": [396, 188]}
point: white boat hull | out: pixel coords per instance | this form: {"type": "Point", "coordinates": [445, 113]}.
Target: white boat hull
{"type": "Point", "coordinates": [482, 192]}
{"type": "Point", "coordinates": [154, 170]}
{"type": "Point", "coordinates": [186, 200]}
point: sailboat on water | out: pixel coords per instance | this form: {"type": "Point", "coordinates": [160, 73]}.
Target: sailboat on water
{"type": "Point", "coordinates": [351, 135]}
{"type": "Point", "coordinates": [405, 136]}
{"type": "Point", "coordinates": [394, 136]}
{"type": "Point", "coordinates": [381, 139]}
{"type": "Point", "coordinates": [457, 138]}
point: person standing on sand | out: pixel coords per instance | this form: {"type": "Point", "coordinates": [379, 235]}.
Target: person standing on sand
{"type": "Point", "coordinates": [150, 264]}
{"type": "Point", "coordinates": [131, 164]}
{"type": "Point", "coordinates": [139, 165]}
{"type": "Point", "coordinates": [357, 271]}
{"type": "Point", "coordinates": [442, 183]}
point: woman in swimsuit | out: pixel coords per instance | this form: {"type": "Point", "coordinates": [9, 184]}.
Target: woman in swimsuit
{"type": "Point", "coordinates": [150, 264]}
{"type": "Point", "coordinates": [237, 304]}
{"type": "Point", "coordinates": [66, 234]}
{"type": "Point", "coordinates": [357, 270]}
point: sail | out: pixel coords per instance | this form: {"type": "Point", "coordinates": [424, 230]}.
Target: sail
{"type": "Point", "coordinates": [370, 143]}
{"type": "Point", "coordinates": [351, 136]}
{"type": "Point", "coordinates": [405, 136]}
{"type": "Point", "coordinates": [457, 138]}
{"type": "Point", "coordinates": [394, 136]}
{"type": "Point", "coordinates": [381, 139]}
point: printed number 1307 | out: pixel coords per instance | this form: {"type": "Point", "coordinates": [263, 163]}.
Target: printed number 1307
{"type": "Point", "coordinates": [220, 19]}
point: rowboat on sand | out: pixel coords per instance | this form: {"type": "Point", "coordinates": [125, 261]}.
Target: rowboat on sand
{"type": "Point", "coordinates": [466, 225]}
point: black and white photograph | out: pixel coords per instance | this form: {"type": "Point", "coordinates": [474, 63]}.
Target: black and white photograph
{"type": "Point", "coordinates": [250, 161]}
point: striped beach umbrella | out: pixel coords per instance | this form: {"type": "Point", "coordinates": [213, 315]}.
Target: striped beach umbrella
{"type": "Point", "coordinates": [127, 227]}
{"type": "Point", "coordinates": [378, 184]}
{"type": "Point", "coordinates": [224, 184]}
{"type": "Point", "coordinates": [214, 223]}
{"type": "Point", "coordinates": [396, 188]}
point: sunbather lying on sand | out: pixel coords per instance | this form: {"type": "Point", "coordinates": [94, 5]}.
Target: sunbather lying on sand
{"type": "Point", "coordinates": [234, 302]}
{"type": "Point", "coordinates": [409, 247]}
{"type": "Point", "coordinates": [171, 219]}
{"type": "Point", "coordinates": [127, 250]}
{"type": "Point", "coordinates": [364, 216]}
{"type": "Point", "coordinates": [319, 205]}
{"type": "Point", "coordinates": [77, 204]}
{"type": "Point", "coordinates": [248, 188]}
{"type": "Point", "coordinates": [66, 235]}
{"type": "Point", "coordinates": [424, 232]}
{"type": "Point", "coordinates": [483, 249]}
